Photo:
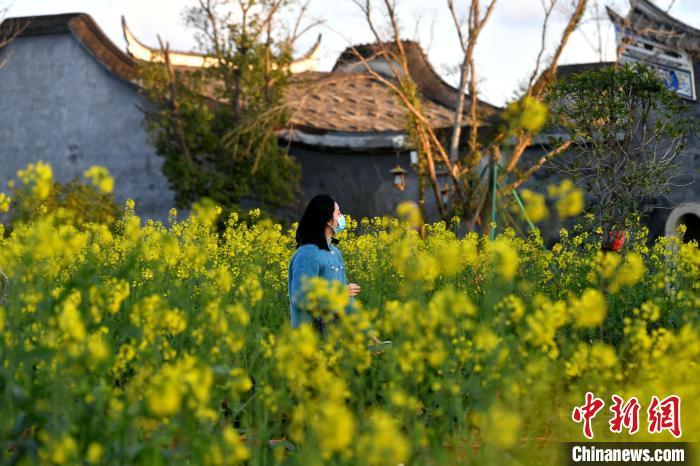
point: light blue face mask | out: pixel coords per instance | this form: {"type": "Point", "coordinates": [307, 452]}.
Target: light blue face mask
{"type": "Point", "coordinates": [341, 225]}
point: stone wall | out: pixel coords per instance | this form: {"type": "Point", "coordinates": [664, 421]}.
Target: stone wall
{"type": "Point", "coordinates": [61, 106]}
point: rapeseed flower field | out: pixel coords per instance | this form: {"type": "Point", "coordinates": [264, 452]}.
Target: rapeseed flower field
{"type": "Point", "coordinates": [154, 344]}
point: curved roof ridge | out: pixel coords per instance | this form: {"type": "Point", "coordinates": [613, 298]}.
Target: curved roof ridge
{"type": "Point", "coordinates": [648, 20]}
{"type": "Point", "coordinates": [646, 6]}
{"type": "Point", "coordinates": [429, 81]}
{"type": "Point", "coordinates": [88, 33]}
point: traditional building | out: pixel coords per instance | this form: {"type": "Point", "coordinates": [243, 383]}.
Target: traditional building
{"type": "Point", "coordinates": [348, 129]}
{"type": "Point", "coordinates": [75, 102]}
{"type": "Point", "coordinates": [352, 129]}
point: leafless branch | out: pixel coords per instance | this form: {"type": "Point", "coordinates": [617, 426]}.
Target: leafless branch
{"type": "Point", "coordinates": [475, 25]}
{"type": "Point", "coordinates": [9, 33]}
{"type": "Point", "coordinates": [537, 89]}
{"type": "Point", "coordinates": [540, 163]}
{"type": "Point", "coordinates": [543, 38]}
{"type": "Point", "coordinates": [457, 23]}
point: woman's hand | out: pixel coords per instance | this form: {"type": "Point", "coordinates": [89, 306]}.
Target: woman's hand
{"type": "Point", "coordinates": [353, 289]}
{"type": "Point", "coordinates": [376, 341]}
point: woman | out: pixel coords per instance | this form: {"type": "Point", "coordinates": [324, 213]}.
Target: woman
{"type": "Point", "coordinates": [317, 256]}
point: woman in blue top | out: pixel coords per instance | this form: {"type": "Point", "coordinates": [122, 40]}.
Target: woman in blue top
{"type": "Point", "coordinates": [317, 256]}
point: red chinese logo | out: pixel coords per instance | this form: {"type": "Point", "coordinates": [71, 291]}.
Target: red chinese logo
{"type": "Point", "coordinates": [662, 414]}
{"type": "Point", "coordinates": [665, 415]}
{"type": "Point", "coordinates": [625, 415]}
{"type": "Point", "coordinates": [587, 412]}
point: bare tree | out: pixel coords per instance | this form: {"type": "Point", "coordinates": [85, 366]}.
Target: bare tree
{"type": "Point", "coordinates": [468, 197]}
{"type": "Point", "coordinates": [174, 103]}
{"type": "Point", "coordinates": [475, 24]}
{"type": "Point", "coordinates": [592, 29]}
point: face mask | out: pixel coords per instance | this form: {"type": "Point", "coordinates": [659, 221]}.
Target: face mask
{"type": "Point", "coordinates": [341, 225]}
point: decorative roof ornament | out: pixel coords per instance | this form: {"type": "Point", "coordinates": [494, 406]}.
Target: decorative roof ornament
{"type": "Point", "coordinates": [138, 50]}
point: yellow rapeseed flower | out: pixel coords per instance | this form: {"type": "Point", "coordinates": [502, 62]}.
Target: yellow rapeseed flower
{"type": "Point", "coordinates": [608, 263]}
{"type": "Point", "coordinates": [4, 202]}
{"type": "Point", "coordinates": [535, 205]}
{"type": "Point", "coordinates": [173, 321]}
{"type": "Point", "coordinates": [409, 212]}
{"type": "Point", "coordinates": [507, 259]}
{"type": "Point", "coordinates": [630, 272]}
{"type": "Point", "coordinates": [97, 348]}
{"type": "Point", "coordinates": [94, 453]}
{"type": "Point", "coordinates": [61, 451]}
{"type": "Point", "coordinates": [238, 452]}
{"type": "Point", "coordinates": [590, 309]}
{"type": "Point", "coordinates": [543, 324]}
{"type": "Point", "coordinates": [514, 306]}
{"type": "Point", "coordinates": [100, 178]}
{"type": "Point", "coordinates": [501, 427]}
{"type": "Point", "coordinates": [485, 339]}
{"type": "Point", "coordinates": [70, 321]}
{"type": "Point", "coordinates": [384, 443]}
{"type": "Point", "coordinates": [334, 426]}
{"type": "Point", "coordinates": [570, 199]}
{"type": "Point", "coordinates": [528, 113]}
{"type": "Point", "coordinates": [164, 402]}
{"type": "Point", "coordinates": [40, 176]}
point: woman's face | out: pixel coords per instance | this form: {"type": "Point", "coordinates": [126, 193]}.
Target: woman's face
{"type": "Point", "coordinates": [336, 214]}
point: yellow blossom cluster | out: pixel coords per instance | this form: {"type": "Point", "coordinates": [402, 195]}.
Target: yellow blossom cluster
{"type": "Point", "coordinates": [570, 199]}
{"type": "Point", "coordinates": [39, 176]}
{"type": "Point", "coordinates": [100, 178]}
{"type": "Point", "coordinates": [4, 202]}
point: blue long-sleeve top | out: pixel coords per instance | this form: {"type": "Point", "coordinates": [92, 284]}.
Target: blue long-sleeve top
{"type": "Point", "coordinates": [311, 261]}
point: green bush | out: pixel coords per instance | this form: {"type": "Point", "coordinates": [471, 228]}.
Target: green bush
{"type": "Point", "coordinates": [35, 193]}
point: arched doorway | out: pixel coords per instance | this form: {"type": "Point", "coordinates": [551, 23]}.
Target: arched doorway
{"type": "Point", "coordinates": [687, 214]}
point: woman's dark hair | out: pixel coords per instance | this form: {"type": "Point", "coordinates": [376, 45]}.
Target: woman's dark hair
{"type": "Point", "coordinates": [312, 226]}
